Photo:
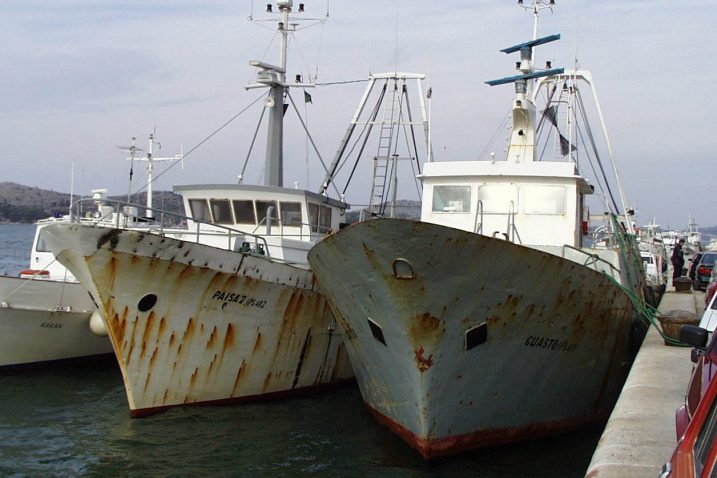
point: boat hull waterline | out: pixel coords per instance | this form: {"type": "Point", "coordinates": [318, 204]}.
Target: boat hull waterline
{"type": "Point", "coordinates": [194, 324]}
{"type": "Point", "coordinates": [460, 340]}
{"type": "Point", "coordinates": [46, 321]}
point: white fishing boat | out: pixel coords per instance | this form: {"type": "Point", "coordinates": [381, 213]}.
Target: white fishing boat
{"type": "Point", "coordinates": [492, 319]}
{"type": "Point", "coordinates": [225, 309]}
{"type": "Point", "coordinates": [45, 314]}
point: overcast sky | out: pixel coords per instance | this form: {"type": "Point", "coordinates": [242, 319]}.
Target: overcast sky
{"type": "Point", "coordinates": [81, 78]}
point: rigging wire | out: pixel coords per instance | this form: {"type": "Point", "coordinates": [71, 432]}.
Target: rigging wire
{"type": "Point", "coordinates": [493, 138]}
{"type": "Point", "coordinates": [198, 145]}
{"type": "Point", "coordinates": [581, 107]}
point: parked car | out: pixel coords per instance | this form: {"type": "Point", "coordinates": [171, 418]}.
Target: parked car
{"type": "Point", "coordinates": [709, 318]}
{"type": "Point", "coordinates": [711, 287]}
{"type": "Point", "coordinates": [695, 454]}
{"type": "Point", "coordinates": [701, 269]}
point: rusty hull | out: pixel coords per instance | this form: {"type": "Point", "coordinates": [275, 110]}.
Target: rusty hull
{"type": "Point", "coordinates": [194, 324]}
{"type": "Point", "coordinates": [555, 344]}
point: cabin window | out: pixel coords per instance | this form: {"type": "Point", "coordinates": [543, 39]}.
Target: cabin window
{"type": "Point", "coordinates": [498, 198]}
{"type": "Point", "coordinates": [319, 218]}
{"type": "Point", "coordinates": [41, 243]}
{"type": "Point", "coordinates": [244, 211]}
{"type": "Point", "coordinates": [222, 211]}
{"type": "Point", "coordinates": [291, 213]}
{"type": "Point", "coordinates": [451, 198]}
{"type": "Point", "coordinates": [263, 210]}
{"type": "Point", "coordinates": [200, 210]}
{"type": "Point", "coordinates": [544, 200]}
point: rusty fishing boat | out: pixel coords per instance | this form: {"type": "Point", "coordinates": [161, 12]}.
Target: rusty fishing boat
{"type": "Point", "coordinates": [225, 309]}
{"type": "Point", "coordinates": [498, 316]}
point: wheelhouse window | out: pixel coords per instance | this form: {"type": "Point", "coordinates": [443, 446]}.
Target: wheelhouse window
{"type": "Point", "coordinates": [41, 243]}
{"type": "Point", "coordinates": [319, 218]}
{"type": "Point", "coordinates": [200, 210]}
{"type": "Point", "coordinates": [544, 200]}
{"type": "Point", "coordinates": [264, 208]}
{"type": "Point", "coordinates": [451, 198]}
{"type": "Point", "coordinates": [498, 198]}
{"type": "Point", "coordinates": [291, 213]}
{"type": "Point", "coordinates": [244, 211]}
{"type": "Point", "coordinates": [221, 210]}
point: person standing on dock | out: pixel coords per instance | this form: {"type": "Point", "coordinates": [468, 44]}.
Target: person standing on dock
{"type": "Point", "coordinates": [677, 259]}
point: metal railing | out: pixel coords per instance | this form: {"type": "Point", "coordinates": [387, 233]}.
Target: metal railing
{"type": "Point", "coordinates": [121, 215]}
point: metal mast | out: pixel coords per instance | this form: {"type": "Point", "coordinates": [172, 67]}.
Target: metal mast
{"type": "Point", "coordinates": [149, 214]}
{"type": "Point", "coordinates": [274, 77]}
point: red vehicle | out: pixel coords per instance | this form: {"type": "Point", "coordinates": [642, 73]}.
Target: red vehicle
{"type": "Point", "coordinates": [711, 289]}
{"type": "Point", "coordinates": [696, 452]}
{"type": "Point", "coordinates": [701, 269]}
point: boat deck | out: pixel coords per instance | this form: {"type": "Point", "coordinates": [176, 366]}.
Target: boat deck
{"type": "Point", "coordinates": [640, 434]}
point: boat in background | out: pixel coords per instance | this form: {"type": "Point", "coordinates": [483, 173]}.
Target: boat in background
{"type": "Point", "coordinates": [654, 260]}
{"type": "Point", "coordinates": [492, 320]}
{"type": "Point", "coordinates": [45, 314]}
{"type": "Point", "coordinates": [225, 309]}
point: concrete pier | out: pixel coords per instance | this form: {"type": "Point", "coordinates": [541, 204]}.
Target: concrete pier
{"type": "Point", "coordinates": [640, 434]}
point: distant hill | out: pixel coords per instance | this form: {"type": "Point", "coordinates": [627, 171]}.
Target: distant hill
{"type": "Point", "coordinates": [27, 204]}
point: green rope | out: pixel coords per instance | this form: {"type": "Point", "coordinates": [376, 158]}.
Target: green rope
{"type": "Point", "coordinates": [646, 312]}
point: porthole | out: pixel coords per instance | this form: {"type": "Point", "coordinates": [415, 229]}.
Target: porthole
{"type": "Point", "coordinates": [147, 302]}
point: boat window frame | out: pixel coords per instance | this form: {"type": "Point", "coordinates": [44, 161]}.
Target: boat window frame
{"type": "Point", "coordinates": [205, 206]}
{"type": "Point", "coordinates": [434, 196]}
{"type": "Point", "coordinates": [317, 215]}
{"type": "Point", "coordinates": [261, 216]}
{"type": "Point", "coordinates": [228, 205]}
{"type": "Point", "coordinates": [285, 221]}
{"type": "Point", "coordinates": [237, 218]}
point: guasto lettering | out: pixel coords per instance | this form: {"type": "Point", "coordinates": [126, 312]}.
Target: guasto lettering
{"type": "Point", "coordinates": [549, 344]}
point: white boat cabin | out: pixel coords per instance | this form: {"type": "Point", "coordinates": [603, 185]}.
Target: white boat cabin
{"type": "Point", "coordinates": [530, 203]}
{"type": "Point", "coordinates": [289, 220]}
{"type": "Point", "coordinates": [43, 264]}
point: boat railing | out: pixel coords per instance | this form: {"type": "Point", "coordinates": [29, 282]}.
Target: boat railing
{"type": "Point", "coordinates": [512, 231]}
{"type": "Point", "coordinates": [592, 260]}
{"type": "Point", "coordinates": [267, 222]}
{"type": "Point", "coordinates": [123, 215]}
{"type": "Point", "coordinates": [478, 226]}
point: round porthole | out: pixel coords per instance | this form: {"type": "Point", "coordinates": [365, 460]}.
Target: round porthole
{"type": "Point", "coordinates": [146, 302]}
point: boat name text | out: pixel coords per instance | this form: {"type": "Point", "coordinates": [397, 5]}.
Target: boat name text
{"type": "Point", "coordinates": [551, 344]}
{"type": "Point", "coordinates": [227, 297]}
{"type": "Point", "coordinates": [51, 325]}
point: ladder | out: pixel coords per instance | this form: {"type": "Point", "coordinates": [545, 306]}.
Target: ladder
{"type": "Point", "coordinates": [382, 161]}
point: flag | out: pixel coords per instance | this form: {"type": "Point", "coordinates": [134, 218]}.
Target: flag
{"type": "Point", "coordinates": [550, 113]}
{"type": "Point", "coordinates": [564, 146]}
{"type": "Point", "coordinates": [307, 98]}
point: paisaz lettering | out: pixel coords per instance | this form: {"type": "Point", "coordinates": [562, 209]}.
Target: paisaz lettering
{"type": "Point", "coordinates": [51, 325]}
{"type": "Point", "coordinates": [549, 344]}
{"type": "Point", "coordinates": [230, 297]}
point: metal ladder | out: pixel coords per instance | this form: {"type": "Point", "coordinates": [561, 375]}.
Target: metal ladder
{"type": "Point", "coordinates": [383, 158]}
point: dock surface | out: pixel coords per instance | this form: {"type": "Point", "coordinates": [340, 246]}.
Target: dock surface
{"type": "Point", "coordinates": [640, 435]}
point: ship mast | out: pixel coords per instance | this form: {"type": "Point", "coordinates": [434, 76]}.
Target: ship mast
{"type": "Point", "coordinates": [274, 77]}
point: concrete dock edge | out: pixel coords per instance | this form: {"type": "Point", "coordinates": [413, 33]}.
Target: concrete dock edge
{"type": "Point", "coordinates": [640, 435]}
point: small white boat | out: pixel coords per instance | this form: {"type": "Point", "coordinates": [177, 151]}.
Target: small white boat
{"type": "Point", "coordinates": [45, 314]}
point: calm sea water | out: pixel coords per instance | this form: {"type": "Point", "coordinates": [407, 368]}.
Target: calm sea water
{"type": "Point", "coordinates": [73, 420]}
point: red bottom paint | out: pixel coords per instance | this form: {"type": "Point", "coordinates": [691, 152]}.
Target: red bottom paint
{"type": "Point", "coordinates": [451, 445]}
